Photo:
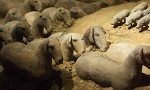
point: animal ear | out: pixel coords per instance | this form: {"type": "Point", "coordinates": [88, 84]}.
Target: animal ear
{"type": "Point", "coordinates": [86, 36]}
{"type": "Point", "coordinates": [141, 56]}
{"type": "Point", "coordinates": [102, 29]}
{"type": "Point", "coordinates": [91, 33]}
{"type": "Point", "coordinates": [69, 39]}
{"type": "Point", "coordinates": [45, 45]}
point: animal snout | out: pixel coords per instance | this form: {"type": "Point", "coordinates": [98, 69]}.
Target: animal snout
{"type": "Point", "coordinates": [104, 49]}
{"type": "Point", "coordinates": [60, 61]}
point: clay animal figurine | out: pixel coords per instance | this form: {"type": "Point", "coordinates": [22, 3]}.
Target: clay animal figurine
{"type": "Point", "coordinates": [143, 22]}
{"type": "Point", "coordinates": [29, 65]}
{"type": "Point", "coordinates": [40, 22]}
{"type": "Point", "coordinates": [131, 19]}
{"type": "Point", "coordinates": [95, 36]}
{"type": "Point", "coordinates": [141, 6]}
{"type": "Point", "coordinates": [90, 8]}
{"type": "Point", "coordinates": [77, 12]}
{"type": "Point", "coordinates": [109, 73]}
{"type": "Point", "coordinates": [69, 43]}
{"type": "Point", "coordinates": [34, 45]}
{"type": "Point", "coordinates": [59, 14]}
{"type": "Point", "coordinates": [13, 14]}
{"type": "Point", "coordinates": [120, 17]}
{"type": "Point", "coordinates": [32, 5]}
{"type": "Point", "coordinates": [19, 30]}
{"type": "Point", "coordinates": [6, 5]}
{"type": "Point", "coordinates": [4, 36]}
{"type": "Point", "coordinates": [30, 16]}
{"type": "Point", "coordinates": [67, 4]}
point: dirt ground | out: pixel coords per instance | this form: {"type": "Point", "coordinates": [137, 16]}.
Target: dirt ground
{"type": "Point", "coordinates": [115, 35]}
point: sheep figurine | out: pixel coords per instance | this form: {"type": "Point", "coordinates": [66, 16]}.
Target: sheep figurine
{"type": "Point", "coordinates": [131, 19]}
{"type": "Point", "coordinates": [109, 73]}
{"type": "Point", "coordinates": [144, 21]}
{"type": "Point", "coordinates": [120, 17]}
{"type": "Point", "coordinates": [72, 42]}
{"type": "Point", "coordinates": [13, 14]}
{"type": "Point", "coordinates": [141, 6]}
{"type": "Point", "coordinates": [94, 36]}
{"type": "Point", "coordinates": [5, 6]}
{"type": "Point", "coordinates": [4, 36]}
{"type": "Point", "coordinates": [69, 43]}
{"type": "Point", "coordinates": [40, 22]}
{"type": "Point", "coordinates": [30, 16]}
{"type": "Point", "coordinates": [19, 29]}
{"type": "Point", "coordinates": [90, 8]}
{"type": "Point", "coordinates": [32, 5]}
{"type": "Point", "coordinates": [59, 14]}
{"type": "Point", "coordinates": [34, 45]}
{"type": "Point", "coordinates": [77, 12]}
{"type": "Point", "coordinates": [31, 65]}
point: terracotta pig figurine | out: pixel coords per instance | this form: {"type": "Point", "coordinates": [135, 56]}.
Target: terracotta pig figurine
{"type": "Point", "coordinates": [109, 73]}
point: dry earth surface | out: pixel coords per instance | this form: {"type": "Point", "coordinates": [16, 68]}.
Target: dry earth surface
{"type": "Point", "coordinates": [115, 35]}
